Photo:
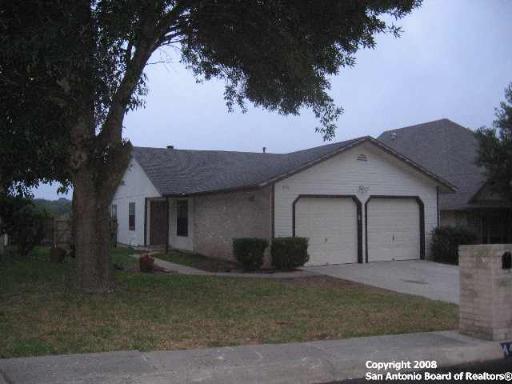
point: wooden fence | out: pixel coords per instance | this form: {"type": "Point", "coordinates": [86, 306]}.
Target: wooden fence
{"type": "Point", "coordinates": [57, 232]}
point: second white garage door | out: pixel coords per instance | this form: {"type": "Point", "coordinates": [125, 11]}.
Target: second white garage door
{"type": "Point", "coordinates": [393, 229]}
{"type": "Point", "coordinates": [330, 224]}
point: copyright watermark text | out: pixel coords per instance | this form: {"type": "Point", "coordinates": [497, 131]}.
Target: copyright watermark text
{"type": "Point", "coordinates": [404, 371]}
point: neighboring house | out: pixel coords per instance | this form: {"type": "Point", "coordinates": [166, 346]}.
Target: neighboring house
{"type": "Point", "coordinates": [356, 201]}
{"type": "Point", "coordinates": [450, 150]}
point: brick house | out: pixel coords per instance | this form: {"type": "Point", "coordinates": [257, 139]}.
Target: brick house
{"type": "Point", "coordinates": [357, 201]}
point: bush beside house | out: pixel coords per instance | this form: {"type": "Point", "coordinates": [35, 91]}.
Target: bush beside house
{"type": "Point", "coordinates": [289, 252]}
{"type": "Point", "coordinates": [249, 252]}
{"type": "Point", "coordinates": [445, 243]}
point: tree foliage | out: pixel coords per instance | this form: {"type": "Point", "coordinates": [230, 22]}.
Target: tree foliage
{"type": "Point", "coordinates": [495, 152]}
{"type": "Point", "coordinates": [36, 45]}
{"type": "Point", "coordinates": [280, 54]}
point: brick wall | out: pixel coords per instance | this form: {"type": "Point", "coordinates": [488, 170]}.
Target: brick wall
{"type": "Point", "coordinates": [221, 217]}
{"type": "Point", "coordinates": [485, 308]}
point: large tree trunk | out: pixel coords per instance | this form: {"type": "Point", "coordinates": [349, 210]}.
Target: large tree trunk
{"type": "Point", "coordinates": [91, 235]}
{"type": "Point", "coordinates": [98, 160]}
{"type": "Point", "coordinates": [98, 168]}
{"type": "Point", "coordinates": [94, 186]}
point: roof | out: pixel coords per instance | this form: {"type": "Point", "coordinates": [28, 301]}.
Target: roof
{"type": "Point", "coordinates": [447, 149]}
{"type": "Point", "coordinates": [176, 172]}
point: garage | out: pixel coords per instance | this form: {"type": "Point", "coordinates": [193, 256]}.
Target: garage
{"type": "Point", "coordinates": [331, 225]}
{"type": "Point", "coordinates": [394, 228]}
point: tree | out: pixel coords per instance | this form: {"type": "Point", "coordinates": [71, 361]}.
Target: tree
{"type": "Point", "coordinates": [495, 152]}
{"type": "Point", "coordinates": [32, 134]}
{"type": "Point", "coordinates": [22, 221]}
{"type": "Point", "coordinates": [277, 54]}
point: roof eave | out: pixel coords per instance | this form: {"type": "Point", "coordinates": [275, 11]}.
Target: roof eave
{"type": "Point", "coordinates": [214, 191]}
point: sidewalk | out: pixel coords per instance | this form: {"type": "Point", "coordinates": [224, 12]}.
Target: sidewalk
{"type": "Point", "coordinates": [311, 362]}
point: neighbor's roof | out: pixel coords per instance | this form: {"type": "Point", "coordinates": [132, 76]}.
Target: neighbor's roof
{"type": "Point", "coordinates": [177, 172]}
{"type": "Point", "coordinates": [447, 149]}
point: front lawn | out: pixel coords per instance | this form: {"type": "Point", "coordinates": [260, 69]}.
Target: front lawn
{"type": "Point", "coordinates": [41, 313]}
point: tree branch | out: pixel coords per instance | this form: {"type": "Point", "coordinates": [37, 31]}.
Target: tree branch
{"type": "Point", "coordinates": [146, 44]}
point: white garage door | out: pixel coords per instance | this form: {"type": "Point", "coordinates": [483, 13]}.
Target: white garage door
{"type": "Point", "coordinates": [330, 224]}
{"type": "Point", "coordinates": [393, 229]}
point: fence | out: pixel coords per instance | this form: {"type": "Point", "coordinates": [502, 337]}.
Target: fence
{"type": "Point", "coordinates": [57, 231]}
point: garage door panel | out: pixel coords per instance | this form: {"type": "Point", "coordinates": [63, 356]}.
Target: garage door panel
{"type": "Point", "coordinates": [393, 229]}
{"type": "Point", "coordinates": [330, 224]}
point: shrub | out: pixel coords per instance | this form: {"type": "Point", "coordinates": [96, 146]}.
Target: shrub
{"type": "Point", "coordinates": [146, 263]}
{"type": "Point", "coordinates": [445, 243]}
{"type": "Point", "coordinates": [22, 222]}
{"type": "Point", "coordinates": [249, 252]}
{"type": "Point", "coordinates": [289, 252]}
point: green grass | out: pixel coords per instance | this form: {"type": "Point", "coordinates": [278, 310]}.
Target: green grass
{"type": "Point", "coordinates": [197, 261]}
{"type": "Point", "coordinates": [41, 312]}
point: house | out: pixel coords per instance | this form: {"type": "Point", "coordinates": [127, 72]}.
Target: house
{"type": "Point", "coordinates": [450, 151]}
{"type": "Point", "coordinates": [357, 201]}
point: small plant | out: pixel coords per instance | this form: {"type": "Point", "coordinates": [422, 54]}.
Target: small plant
{"type": "Point", "coordinates": [446, 241]}
{"type": "Point", "coordinates": [289, 252]}
{"type": "Point", "coordinates": [249, 252]}
{"type": "Point", "coordinates": [146, 263]}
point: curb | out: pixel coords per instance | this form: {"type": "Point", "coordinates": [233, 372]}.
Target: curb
{"type": "Point", "coordinates": [310, 362]}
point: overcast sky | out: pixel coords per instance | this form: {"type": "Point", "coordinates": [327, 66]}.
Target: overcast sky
{"type": "Point", "coordinates": [453, 61]}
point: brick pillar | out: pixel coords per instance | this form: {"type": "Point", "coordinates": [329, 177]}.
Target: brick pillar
{"type": "Point", "coordinates": [485, 307]}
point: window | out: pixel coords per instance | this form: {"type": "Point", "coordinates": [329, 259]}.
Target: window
{"type": "Point", "coordinates": [131, 216]}
{"type": "Point", "coordinates": [182, 218]}
{"type": "Point", "coordinates": [113, 212]}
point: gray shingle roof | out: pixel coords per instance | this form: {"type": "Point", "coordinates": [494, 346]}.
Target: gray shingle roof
{"type": "Point", "coordinates": [447, 149]}
{"type": "Point", "coordinates": [185, 172]}
{"type": "Point", "coordinates": [182, 172]}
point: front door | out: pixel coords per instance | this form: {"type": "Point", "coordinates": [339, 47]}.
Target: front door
{"type": "Point", "coordinates": [158, 214]}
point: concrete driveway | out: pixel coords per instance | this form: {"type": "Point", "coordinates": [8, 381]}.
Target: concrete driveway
{"type": "Point", "coordinates": [415, 277]}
